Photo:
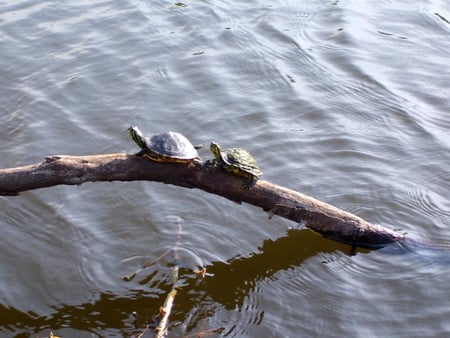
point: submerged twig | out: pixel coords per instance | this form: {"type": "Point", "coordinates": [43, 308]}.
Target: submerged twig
{"type": "Point", "coordinates": [164, 313]}
{"type": "Point", "coordinates": [206, 333]}
{"type": "Point", "coordinates": [166, 309]}
{"type": "Point", "coordinates": [145, 266]}
{"type": "Point", "coordinates": [143, 332]}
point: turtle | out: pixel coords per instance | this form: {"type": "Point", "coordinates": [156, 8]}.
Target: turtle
{"type": "Point", "coordinates": [165, 147]}
{"type": "Point", "coordinates": [237, 161]}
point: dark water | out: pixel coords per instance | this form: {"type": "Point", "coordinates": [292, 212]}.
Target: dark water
{"type": "Point", "coordinates": [347, 101]}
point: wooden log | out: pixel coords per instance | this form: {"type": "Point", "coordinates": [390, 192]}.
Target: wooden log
{"type": "Point", "coordinates": [321, 217]}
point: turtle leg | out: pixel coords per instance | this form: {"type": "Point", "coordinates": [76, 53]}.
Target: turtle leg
{"type": "Point", "coordinates": [151, 156]}
{"type": "Point", "coordinates": [198, 162]}
{"type": "Point", "coordinates": [145, 154]}
{"type": "Point", "coordinates": [140, 153]}
{"type": "Point", "coordinates": [210, 165]}
{"type": "Point", "coordinates": [250, 183]}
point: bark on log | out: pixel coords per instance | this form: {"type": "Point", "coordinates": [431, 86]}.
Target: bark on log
{"type": "Point", "coordinates": [321, 217]}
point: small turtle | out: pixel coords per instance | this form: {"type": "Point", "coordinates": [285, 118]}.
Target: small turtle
{"type": "Point", "coordinates": [238, 161]}
{"type": "Point", "coordinates": [166, 147]}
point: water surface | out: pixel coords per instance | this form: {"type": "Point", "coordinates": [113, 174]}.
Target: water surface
{"type": "Point", "coordinates": [346, 101]}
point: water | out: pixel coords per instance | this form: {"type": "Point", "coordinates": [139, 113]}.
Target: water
{"type": "Point", "coordinates": [346, 101]}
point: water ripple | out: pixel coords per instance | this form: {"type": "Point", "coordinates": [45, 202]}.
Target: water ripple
{"type": "Point", "coordinates": [344, 102]}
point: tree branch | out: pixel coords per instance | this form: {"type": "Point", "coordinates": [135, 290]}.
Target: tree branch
{"type": "Point", "coordinates": [321, 217]}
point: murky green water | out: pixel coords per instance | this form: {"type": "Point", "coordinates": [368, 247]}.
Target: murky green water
{"type": "Point", "coordinates": [346, 101]}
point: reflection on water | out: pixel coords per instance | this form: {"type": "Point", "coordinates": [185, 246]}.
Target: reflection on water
{"type": "Point", "coordinates": [347, 103]}
{"type": "Point", "coordinates": [232, 285]}
{"type": "Point", "coordinates": [227, 285]}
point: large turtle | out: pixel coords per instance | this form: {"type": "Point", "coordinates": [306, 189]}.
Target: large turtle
{"type": "Point", "coordinates": [238, 161]}
{"type": "Point", "coordinates": [166, 147]}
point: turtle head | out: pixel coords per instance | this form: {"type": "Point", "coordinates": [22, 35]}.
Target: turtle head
{"type": "Point", "coordinates": [133, 130]}
{"type": "Point", "coordinates": [137, 137]}
{"type": "Point", "coordinates": [215, 149]}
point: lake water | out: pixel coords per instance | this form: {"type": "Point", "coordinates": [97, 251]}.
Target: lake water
{"type": "Point", "coordinates": [346, 101]}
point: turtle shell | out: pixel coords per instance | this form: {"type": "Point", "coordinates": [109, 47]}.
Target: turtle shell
{"type": "Point", "coordinates": [241, 162]}
{"type": "Point", "coordinates": [171, 147]}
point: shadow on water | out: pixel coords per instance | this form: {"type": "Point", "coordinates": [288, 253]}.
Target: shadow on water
{"type": "Point", "coordinates": [227, 286]}
{"type": "Point", "coordinates": [234, 279]}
